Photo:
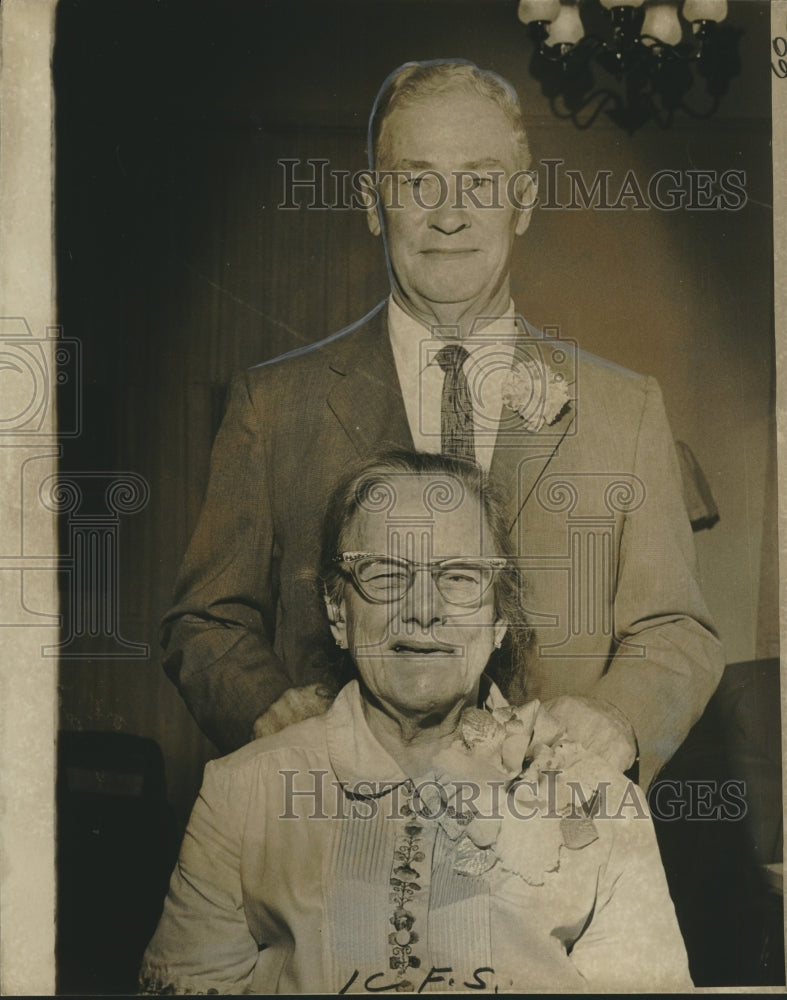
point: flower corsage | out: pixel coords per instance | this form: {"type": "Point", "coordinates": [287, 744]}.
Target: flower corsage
{"type": "Point", "coordinates": [536, 392]}
{"type": "Point", "coordinates": [522, 812]}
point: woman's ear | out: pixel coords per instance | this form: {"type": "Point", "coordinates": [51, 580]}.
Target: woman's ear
{"type": "Point", "coordinates": [336, 619]}
{"type": "Point", "coordinates": [500, 632]}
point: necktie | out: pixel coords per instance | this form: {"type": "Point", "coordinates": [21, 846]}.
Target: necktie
{"type": "Point", "coordinates": [456, 408]}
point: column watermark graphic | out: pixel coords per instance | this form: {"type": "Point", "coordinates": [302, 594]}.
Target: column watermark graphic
{"type": "Point", "coordinates": [93, 503]}
{"type": "Point", "coordinates": [588, 507]}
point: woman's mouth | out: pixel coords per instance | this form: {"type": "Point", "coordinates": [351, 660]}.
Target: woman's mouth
{"type": "Point", "coordinates": [415, 648]}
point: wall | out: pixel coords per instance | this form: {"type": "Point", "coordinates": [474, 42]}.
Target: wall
{"type": "Point", "coordinates": [176, 268]}
{"type": "Point", "coordinates": [28, 427]}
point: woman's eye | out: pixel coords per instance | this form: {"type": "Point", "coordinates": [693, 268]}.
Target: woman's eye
{"type": "Point", "coordinates": [383, 575]}
{"type": "Point", "coordinates": [457, 577]}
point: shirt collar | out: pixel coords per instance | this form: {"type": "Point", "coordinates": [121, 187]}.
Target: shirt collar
{"type": "Point", "coordinates": [405, 331]}
{"type": "Point", "coordinates": [360, 763]}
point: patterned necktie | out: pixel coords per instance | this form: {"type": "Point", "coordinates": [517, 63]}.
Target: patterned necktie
{"type": "Point", "coordinates": [456, 408]}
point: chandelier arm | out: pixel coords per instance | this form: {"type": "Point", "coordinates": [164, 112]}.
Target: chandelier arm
{"type": "Point", "coordinates": [692, 113]}
{"type": "Point", "coordinates": [606, 96]}
{"type": "Point", "coordinates": [682, 51]}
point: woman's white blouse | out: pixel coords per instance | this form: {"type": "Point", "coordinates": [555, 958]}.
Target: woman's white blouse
{"type": "Point", "coordinates": [308, 867]}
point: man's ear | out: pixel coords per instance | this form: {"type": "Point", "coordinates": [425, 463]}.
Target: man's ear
{"type": "Point", "coordinates": [524, 197]}
{"type": "Point", "coordinates": [336, 620]}
{"type": "Point", "coordinates": [370, 199]}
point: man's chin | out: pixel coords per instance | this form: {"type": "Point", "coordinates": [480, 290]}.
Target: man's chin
{"type": "Point", "coordinates": [453, 293]}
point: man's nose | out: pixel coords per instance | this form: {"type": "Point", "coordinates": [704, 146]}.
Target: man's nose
{"type": "Point", "coordinates": [450, 214]}
{"type": "Point", "coordinates": [422, 603]}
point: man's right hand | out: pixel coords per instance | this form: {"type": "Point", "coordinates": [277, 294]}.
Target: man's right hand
{"type": "Point", "coordinates": [295, 705]}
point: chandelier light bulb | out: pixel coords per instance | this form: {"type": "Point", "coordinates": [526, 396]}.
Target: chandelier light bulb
{"type": "Point", "coordinates": [538, 10]}
{"type": "Point", "coordinates": [662, 23]}
{"type": "Point", "coordinates": [650, 54]}
{"type": "Point", "coordinates": [705, 10]}
{"type": "Point", "coordinates": [567, 28]}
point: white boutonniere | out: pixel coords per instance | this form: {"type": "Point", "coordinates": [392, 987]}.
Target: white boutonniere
{"type": "Point", "coordinates": [536, 392]}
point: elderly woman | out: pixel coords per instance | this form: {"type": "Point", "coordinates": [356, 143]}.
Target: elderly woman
{"type": "Point", "coordinates": [421, 834]}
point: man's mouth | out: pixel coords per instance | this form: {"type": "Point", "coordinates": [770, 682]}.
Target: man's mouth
{"type": "Point", "coordinates": [448, 252]}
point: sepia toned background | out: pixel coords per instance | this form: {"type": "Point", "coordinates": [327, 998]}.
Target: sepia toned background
{"type": "Point", "coordinates": [176, 268]}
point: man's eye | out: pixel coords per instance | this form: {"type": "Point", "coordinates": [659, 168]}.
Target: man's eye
{"type": "Point", "coordinates": [481, 182]}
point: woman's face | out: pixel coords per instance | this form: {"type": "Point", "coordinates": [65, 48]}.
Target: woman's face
{"type": "Point", "coordinates": [419, 654]}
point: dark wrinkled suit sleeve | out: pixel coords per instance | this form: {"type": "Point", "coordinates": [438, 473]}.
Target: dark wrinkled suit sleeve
{"type": "Point", "coordinates": [669, 659]}
{"type": "Point", "coordinates": [218, 635]}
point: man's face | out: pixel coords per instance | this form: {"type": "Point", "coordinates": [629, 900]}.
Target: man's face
{"type": "Point", "coordinates": [460, 150]}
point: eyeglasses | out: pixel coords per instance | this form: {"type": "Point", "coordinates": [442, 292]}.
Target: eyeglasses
{"type": "Point", "coordinates": [385, 579]}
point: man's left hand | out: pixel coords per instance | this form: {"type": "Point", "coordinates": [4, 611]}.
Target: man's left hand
{"type": "Point", "coordinates": [598, 725]}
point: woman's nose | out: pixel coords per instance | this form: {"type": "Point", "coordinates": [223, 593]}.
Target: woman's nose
{"type": "Point", "coordinates": [422, 603]}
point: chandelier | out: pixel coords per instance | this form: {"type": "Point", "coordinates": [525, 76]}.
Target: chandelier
{"type": "Point", "coordinates": [651, 47]}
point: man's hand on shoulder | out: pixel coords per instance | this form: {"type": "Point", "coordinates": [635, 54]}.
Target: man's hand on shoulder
{"type": "Point", "coordinates": [295, 705]}
{"type": "Point", "coordinates": [598, 725]}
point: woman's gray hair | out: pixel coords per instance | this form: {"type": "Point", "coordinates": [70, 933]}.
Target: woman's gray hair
{"type": "Point", "coordinates": [360, 489]}
{"type": "Point", "coordinates": [415, 81]}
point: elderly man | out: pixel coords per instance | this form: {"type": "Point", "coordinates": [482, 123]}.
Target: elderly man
{"type": "Point", "coordinates": [623, 649]}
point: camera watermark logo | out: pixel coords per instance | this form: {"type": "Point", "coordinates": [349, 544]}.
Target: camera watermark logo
{"type": "Point", "coordinates": [523, 384]}
{"type": "Point", "coordinates": [40, 406]}
{"type": "Point", "coordinates": [29, 385]}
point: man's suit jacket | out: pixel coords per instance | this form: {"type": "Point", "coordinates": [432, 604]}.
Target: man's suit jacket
{"type": "Point", "coordinates": [596, 512]}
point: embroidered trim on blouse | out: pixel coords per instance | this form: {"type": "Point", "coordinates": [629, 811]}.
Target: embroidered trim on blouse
{"type": "Point", "coordinates": [404, 885]}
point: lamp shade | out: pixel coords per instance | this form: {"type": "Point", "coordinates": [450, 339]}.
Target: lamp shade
{"type": "Point", "coordinates": [609, 4]}
{"type": "Point", "coordinates": [538, 10]}
{"type": "Point", "coordinates": [705, 10]}
{"type": "Point", "coordinates": [567, 28]}
{"type": "Point", "coordinates": [662, 23]}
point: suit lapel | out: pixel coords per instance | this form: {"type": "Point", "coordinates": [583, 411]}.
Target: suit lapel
{"type": "Point", "coordinates": [520, 460]}
{"type": "Point", "coordinates": [521, 456]}
{"type": "Point", "coordinates": [366, 399]}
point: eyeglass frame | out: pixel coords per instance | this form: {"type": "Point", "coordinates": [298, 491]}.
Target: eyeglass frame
{"type": "Point", "coordinates": [349, 560]}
